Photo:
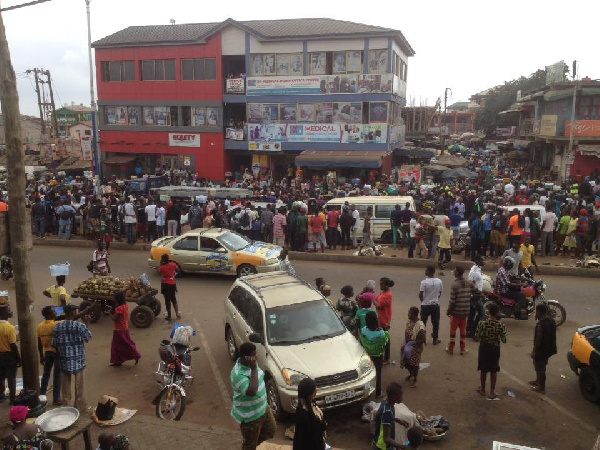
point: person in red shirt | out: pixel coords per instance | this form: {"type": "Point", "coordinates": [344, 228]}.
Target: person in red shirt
{"type": "Point", "coordinates": [168, 286]}
{"type": "Point", "coordinates": [122, 348]}
{"type": "Point", "coordinates": [383, 304]}
{"type": "Point", "coordinates": [333, 218]}
{"type": "Point", "coordinates": [317, 224]}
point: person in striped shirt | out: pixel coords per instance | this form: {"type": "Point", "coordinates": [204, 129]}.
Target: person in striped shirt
{"type": "Point", "coordinates": [250, 408]}
{"type": "Point", "coordinates": [459, 307]}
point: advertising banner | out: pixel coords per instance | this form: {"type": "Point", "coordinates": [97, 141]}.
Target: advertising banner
{"type": "Point", "coordinates": [86, 148]}
{"type": "Point", "coordinates": [266, 132]}
{"type": "Point", "coordinates": [284, 85]}
{"type": "Point", "coordinates": [332, 132]}
{"type": "Point", "coordinates": [409, 174]}
{"type": "Point", "coordinates": [587, 128]}
{"type": "Point", "coordinates": [234, 86]}
{"type": "Point", "coordinates": [184, 140]}
{"type": "Point", "coordinates": [375, 133]}
{"type": "Point", "coordinates": [234, 134]}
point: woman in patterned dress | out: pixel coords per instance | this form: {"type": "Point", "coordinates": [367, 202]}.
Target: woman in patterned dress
{"type": "Point", "coordinates": [414, 338]}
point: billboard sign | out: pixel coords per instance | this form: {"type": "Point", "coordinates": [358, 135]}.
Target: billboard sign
{"type": "Point", "coordinates": [548, 125]}
{"type": "Point", "coordinates": [234, 86]}
{"type": "Point", "coordinates": [583, 128]}
{"type": "Point", "coordinates": [184, 140]}
{"type": "Point", "coordinates": [555, 73]}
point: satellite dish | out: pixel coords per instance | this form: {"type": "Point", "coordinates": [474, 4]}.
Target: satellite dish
{"type": "Point", "coordinates": [172, 21]}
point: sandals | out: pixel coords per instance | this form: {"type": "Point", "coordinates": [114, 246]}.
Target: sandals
{"type": "Point", "coordinates": [480, 391]}
{"type": "Point", "coordinates": [494, 398]}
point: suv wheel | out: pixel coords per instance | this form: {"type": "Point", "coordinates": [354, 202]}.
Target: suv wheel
{"type": "Point", "coordinates": [231, 347]}
{"type": "Point", "coordinates": [273, 400]}
{"type": "Point", "coordinates": [589, 384]}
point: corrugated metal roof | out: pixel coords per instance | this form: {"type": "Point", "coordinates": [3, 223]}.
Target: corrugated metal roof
{"type": "Point", "coordinates": [264, 30]}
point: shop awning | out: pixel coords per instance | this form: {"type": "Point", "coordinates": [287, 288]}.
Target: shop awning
{"type": "Point", "coordinates": [521, 143]}
{"type": "Point", "coordinates": [119, 159]}
{"type": "Point", "coordinates": [589, 150]}
{"type": "Point", "coordinates": [338, 159]}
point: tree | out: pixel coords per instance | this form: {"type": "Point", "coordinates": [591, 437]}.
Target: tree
{"type": "Point", "coordinates": [501, 98]}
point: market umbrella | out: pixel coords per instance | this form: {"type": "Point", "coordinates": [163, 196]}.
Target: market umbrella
{"type": "Point", "coordinates": [461, 172]}
{"type": "Point", "coordinates": [436, 168]}
{"type": "Point", "coordinates": [451, 160]}
{"type": "Point", "coordinates": [457, 147]}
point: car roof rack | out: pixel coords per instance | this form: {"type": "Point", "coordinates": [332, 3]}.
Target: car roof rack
{"type": "Point", "coordinates": [258, 289]}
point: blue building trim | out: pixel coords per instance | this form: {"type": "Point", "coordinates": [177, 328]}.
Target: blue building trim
{"type": "Point", "coordinates": [390, 55]}
{"type": "Point", "coordinates": [305, 57]}
{"type": "Point", "coordinates": [232, 98]}
{"type": "Point", "coordinates": [247, 46]}
{"type": "Point", "coordinates": [366, 57]}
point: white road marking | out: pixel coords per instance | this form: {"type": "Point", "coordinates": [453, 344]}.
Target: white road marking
{"type": "Point", "coordinates": [552, 403]}
{"type": "Point", "coordinates": [213, 366]}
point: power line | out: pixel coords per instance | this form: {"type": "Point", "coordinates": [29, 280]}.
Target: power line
{"type": "Point", "coordinates": [22, 5]}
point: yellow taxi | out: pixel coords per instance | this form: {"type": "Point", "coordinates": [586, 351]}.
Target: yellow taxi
{"type": "Point", "coordinates": [216, 250]}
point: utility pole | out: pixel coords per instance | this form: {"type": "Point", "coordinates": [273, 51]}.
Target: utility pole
{"type": "Point", "coordinates": [443, 122]}
{"type": "Point", "coordinates": [47, 108]}
{"type": "Point", "coordinates": [17, 216]}
{"type": "Point", "coordinates": [569, 153]}
{"type": "Point", "coordinates": [96, 157]}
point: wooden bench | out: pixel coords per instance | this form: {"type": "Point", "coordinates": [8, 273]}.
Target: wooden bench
{"type": "Point", "coordinates": [82, 426]}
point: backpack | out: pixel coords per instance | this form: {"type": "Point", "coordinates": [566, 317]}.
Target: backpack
{"type": "Point", "coordinates": [66, 214]}
{"type": "Point", "coordinates": [244, 219]}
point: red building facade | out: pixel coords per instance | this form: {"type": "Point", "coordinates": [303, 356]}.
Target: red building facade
{"type": "Point", "coordinates": [155, 111]}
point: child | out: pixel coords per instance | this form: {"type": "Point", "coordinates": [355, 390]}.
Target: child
{"type": "Point", "coordinates": [347, 307]}
{"type": "Point", "coordinates": [415, 437]}
{"type": "Point", "coordinates": [374, 340]}
{"type": "Point", "coordinates": [326, 290]}
{"type": "Point", "coordinates": [284, 263]}
{"type": "Point", "coordinates": [385, 420]}
{"type": "Point", "coordinates": [108, 441]}
{"type": "Point", "coordinates": [48, 356]}
{"type": "Point", "coordinates": [319, 283]}
{"type": "Point", "coordinates": [490, 332]}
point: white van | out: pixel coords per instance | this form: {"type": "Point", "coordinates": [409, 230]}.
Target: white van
{"type": "Point", "coordinates": [382, 209]}
{"type": "Point", "coordinates": [541, 210]}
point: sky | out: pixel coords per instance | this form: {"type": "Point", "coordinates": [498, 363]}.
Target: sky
{"type": "Point", "coordinates": [467, 46]}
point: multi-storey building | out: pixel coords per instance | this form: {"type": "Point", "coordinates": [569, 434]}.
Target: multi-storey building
{"type": "Point", "coordinates": [545, 127]}
{"type": "Point", "coordinates": [218, 97]}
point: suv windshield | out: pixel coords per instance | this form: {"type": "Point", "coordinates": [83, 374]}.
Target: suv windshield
{"type": "Point", "coordinates": [302, 322]}
{"type": "Point", "coordinates": [234, 241]}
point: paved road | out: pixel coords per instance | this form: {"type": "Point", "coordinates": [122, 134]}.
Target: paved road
{"type": "Point", "coordinates": [447, 387]}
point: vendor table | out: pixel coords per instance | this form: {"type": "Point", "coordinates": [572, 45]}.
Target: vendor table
{"type": "Point", "coordinates": [82, 426]}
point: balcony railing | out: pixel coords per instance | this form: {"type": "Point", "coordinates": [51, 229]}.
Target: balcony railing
{"type": "Point", "coordinates": [529, 127]}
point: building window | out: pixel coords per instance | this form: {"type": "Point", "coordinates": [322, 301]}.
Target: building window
{"type": "Point", "coordinates": [186, 116]}
{"type": "Point", "coordinates": [158, 70]}
{"type": "Point", "coordinates": [199, 69]}
{"type": "Point", "coordinates": [378, 61]}
{"type": "Point", "coordinates": [118, 70]}
{"type": "Point", "coordinates": [87, 132]}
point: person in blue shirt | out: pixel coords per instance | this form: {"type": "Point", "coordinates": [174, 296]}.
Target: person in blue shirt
{"type": "Point", "coordinates": [487, 227]}
{"type": "Point", "coordinates": [385, 420]}
{"type": "Point", "coordinates": [455, 219]}
{"type": "Point", "coordinates": [66, 214]}
{"type": "Point", "coordinates": [477, 233]}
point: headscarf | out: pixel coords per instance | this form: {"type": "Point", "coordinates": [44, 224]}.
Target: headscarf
{"type": "Point", "coordinates": [18, 413]}
{"type": "Point", "coordinates": [370, 285]}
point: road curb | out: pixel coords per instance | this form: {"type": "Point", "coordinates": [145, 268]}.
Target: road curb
{"type": "Point", "coordinates": [348, 258]}
{"type": "Point", "coordinates": [415, 262]}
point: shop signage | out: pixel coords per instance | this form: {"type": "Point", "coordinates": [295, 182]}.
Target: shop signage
{"type": "Point", "coordinates": [409, 174]}
{"type": "Point", "coordinates": [265, 146]}
{"type": "Point", "coordinates": [86, 148]}
{"type": "Point", "coordinates": [184, 140]}
{"type": "Point", "coordinates": [586, 128]}
{"type": "Point", "coordinates": [322, 84]}
{"type": "Point", "coordinates": [505, 131]}
{"type": "Point", "coordinates": [234, 86]}
{"type": "Point", "coordinates": [548, 125]}
{"type": "Point", "coordinates": [331, 132]}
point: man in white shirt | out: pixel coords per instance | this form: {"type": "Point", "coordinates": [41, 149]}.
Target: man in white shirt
{"type": "Point", "coordinates": [477, 310]}
{"type": "Point", "coordinates": [548, 232]}
{"type": "Point", "coordinates": [161, 220]}
{"type": "Point", "coordinates": [429, 294]}
{"type": "Point", "coordinates": [411, 235]}
{"type": "Point", "coordinates": [356, 226]}
{"type": "Point", "coordinates": [151, 218]}
{"type": "Point", "coordinates": [130, 220]}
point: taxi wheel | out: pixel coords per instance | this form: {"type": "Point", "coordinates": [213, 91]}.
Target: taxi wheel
{"type": "Point", "coordinates": [589, 384]}
{"type": "Point", "coordinates": [245, 270]}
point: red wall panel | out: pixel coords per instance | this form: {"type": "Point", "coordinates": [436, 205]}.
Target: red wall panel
{"type": "Point", "coordinates": [161, 90]}
{"type": "Point", "coordinates": [211, 160]}
{"type": "Point", "coordinates": [584, 165]}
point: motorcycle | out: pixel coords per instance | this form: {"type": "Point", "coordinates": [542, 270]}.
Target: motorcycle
{"type": "Point", "coordinates": [534, 291]}
{"type": "Point", "coordinates": [173, 376]}
{"type": "Point", "coordinates": [6, 267]}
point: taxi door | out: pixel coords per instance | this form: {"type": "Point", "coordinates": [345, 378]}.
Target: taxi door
{"type": "Point", "coordinates": [185, 252]}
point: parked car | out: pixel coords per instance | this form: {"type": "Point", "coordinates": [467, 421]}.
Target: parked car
{"type": "Point", "coordinates": [584, 359]}
{"type": "Point", "coordinates": [216, 250]}
{"type": "Point", "coordinates": [298, 335]}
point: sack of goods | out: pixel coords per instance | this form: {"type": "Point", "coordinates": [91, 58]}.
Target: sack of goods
{"type": "Point", "coordinates": [106, 407]}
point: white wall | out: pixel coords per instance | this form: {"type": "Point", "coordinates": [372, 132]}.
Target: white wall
{"type": "Point", "coordinates": [335, 45]}
{"type": "Point", "coordinates": [274, 47]}
{"type": "Point", "coordinates": [233, 41]}
{"type": "Point", "coordinates": [399, 51]}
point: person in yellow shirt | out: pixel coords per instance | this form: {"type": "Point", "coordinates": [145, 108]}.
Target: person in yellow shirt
{"type": "Point", "coordinates": [445, 243]}
{"type": "Point", "coordinates": [58, 293]}
{"type": "Point", "coordinates": [48, 356]}
{"type": "Point", "coordinates": [10, 358]}
{"type": "Point", "coordinates": [528, 260]}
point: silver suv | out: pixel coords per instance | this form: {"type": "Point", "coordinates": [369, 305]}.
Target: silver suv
{"type": "Point", "coordinates": [298, 335]}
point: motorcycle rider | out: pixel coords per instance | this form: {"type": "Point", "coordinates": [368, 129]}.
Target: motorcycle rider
{"type": "Point", "coordinates": [507, 288]}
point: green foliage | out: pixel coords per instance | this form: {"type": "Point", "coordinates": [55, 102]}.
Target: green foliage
{"type": "Point", "coordinates": [501, 98]}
